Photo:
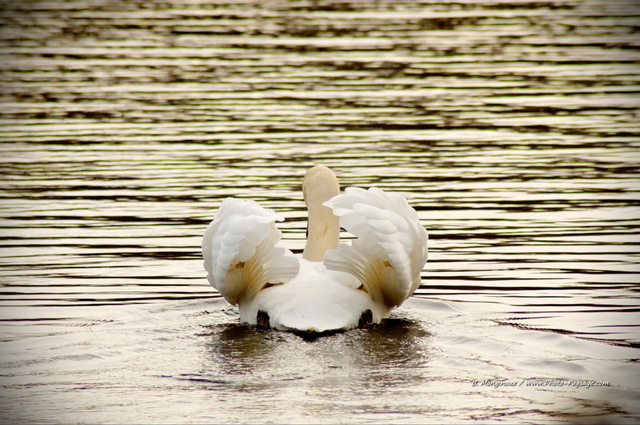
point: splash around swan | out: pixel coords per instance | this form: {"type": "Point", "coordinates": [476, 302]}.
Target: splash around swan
{"type": "Point", "coordinates": [335, 285]}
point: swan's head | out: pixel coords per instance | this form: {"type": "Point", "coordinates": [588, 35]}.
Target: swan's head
{"type": "Point", "coordinates": [323, 231]}
{"type": "Point", "coordinates": [319, 185]}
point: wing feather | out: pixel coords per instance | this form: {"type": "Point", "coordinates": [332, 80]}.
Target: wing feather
{"type": "Point", "coordinates": [240, 250]}
{"type": "Point", "coordinates": [391, 246]}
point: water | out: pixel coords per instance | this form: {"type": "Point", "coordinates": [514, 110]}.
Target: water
{"type": "Point", "coordinates": [511, 127]}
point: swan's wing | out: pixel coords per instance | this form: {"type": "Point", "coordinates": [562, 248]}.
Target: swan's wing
{"type": "Point", "coordinates": [391, 246]}
{"type": "Point", "coordinates": [240, 251]}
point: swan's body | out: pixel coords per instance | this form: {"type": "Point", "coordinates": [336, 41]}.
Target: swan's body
{"type": "Point", "coordinates": [334, 285]}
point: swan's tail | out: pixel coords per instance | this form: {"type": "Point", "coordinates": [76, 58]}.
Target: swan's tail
{"type": "Point", "coordinates": [240, 252]}
{"type": "Point", "coordinates": [391, 246]}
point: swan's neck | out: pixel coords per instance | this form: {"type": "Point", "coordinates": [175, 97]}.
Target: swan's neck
{"type": "Point", "coordinates": [323, 228]}
{"type": "Point", "coordinates": [323, 233]}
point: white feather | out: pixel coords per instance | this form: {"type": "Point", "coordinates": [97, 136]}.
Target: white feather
{"type": "Point", "coordinates": [240, 252]}
{"type": "Point", "coordinates": [391, 245]}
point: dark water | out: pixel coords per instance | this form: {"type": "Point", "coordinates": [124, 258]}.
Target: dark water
{"type": "Point", "coordinates": [512, 127]}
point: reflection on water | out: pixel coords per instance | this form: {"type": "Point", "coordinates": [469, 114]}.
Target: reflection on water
{"type": "Point", "coordinates": [511, 127]}
{"type": "Point", "coordinates": [342, 369]}
{"type": "Point", "coordinates": [397, 343]}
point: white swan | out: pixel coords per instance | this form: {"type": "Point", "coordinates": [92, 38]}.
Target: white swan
{"type": "Point", "coordinates": [334, 286]}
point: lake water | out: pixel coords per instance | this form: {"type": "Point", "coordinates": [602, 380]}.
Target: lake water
{"type": "Point", "coordinates": [512, 127]}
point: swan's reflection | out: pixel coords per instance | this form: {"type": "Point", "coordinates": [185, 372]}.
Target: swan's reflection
{"type": "Point", "coordinates": [393, 353]}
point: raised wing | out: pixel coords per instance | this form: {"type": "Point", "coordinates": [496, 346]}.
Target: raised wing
{"type": "Point", "coordinates": [391, 246]}
{"type": "Point", "coordinates": [240, 251]}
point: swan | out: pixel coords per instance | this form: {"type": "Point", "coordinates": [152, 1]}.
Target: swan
{"type": "Point", "coordinates": [335, 285]}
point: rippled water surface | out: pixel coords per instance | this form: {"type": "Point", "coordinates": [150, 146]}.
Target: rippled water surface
{"type": "Point", "coordinates": [512, 127]}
